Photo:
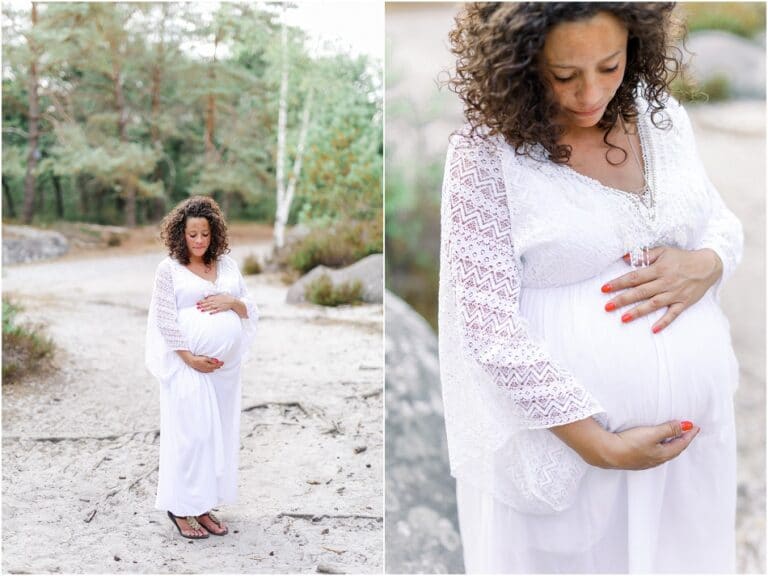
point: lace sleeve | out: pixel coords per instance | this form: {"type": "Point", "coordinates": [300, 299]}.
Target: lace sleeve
{"type": "Point", "coordinates": [166, 315]}
{"type": "Point", "coordinates": [484, 272]}
{"type": "Point", "coordinates": [163, 334]}
{"type": "Point", "coordinates": [723, 232]}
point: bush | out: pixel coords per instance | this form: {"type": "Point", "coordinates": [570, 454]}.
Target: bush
{"type": "Point", "coordinates": [252, 265]}
{"type": "Point", "coordinates": [337, 246]}
{"type": "Point", "coordinates": [24, 347]}
{"type": "Point", "coordinates": [323, 292]}
{"type": "Point", "coordinates": [742, 18]}
{"type": "Point", "coordinates": [687, 89]}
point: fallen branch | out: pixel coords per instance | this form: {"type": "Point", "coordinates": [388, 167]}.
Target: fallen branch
{"type": "Point", "coordinates": [268, 404]}
{"type": "Point", "coordinates": [318, 517]}
{"type": "Point", "coordinates": [56, 439]}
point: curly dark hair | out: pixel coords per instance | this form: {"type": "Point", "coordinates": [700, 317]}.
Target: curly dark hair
{"type": "Point", "coordinates": [497, 75]}
{"type": "Point", "coordinates": [173, 225]}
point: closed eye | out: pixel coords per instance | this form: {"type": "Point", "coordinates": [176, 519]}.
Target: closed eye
{"type": "Point", "coordinates": [569, 78]}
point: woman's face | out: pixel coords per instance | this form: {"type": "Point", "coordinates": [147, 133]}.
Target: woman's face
{"type": "Point", "coordinates": [584, 63]}
{"type": "Point", "coordinates": [197, 233]}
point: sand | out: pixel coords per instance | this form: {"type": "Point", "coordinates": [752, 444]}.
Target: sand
{"type": "Point", "coordinates": [80, 444]}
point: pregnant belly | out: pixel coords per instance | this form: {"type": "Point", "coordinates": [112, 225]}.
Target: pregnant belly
{"type": "Point", "coordinates": [214, 335]}
{"type": "Point", "coordinates": [687, 371]}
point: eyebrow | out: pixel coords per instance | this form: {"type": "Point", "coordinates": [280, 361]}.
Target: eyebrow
{"type": "Point", "coordinates": [571, 66]}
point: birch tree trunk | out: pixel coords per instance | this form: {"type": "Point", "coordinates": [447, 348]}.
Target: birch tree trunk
{"type": "Point", "coordinates": [285, 207]}
{"type": "Point", "coordinates": [282, 120]}
{"type": "Point", "coordinates": [34, 116]}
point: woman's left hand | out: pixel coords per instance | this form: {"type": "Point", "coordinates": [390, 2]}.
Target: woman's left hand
{"type": "Point", "coordinates": [675, 279]}
{"type": "Point", "coordinates": [216, 303]}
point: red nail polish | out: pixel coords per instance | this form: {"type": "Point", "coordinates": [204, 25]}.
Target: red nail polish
{"type": "Point", "coordinates": [610, 307]}
{"type": "Point", "coordinates": [685, 425]}
{"type": "Point", "coordinates": [606, 288]}
{"type": "Point", "coordinates": [626, 318]}
{"type": "Point", "coordinates": [656, 329]}
{"type": "Point", "coordinates": [626, 255]}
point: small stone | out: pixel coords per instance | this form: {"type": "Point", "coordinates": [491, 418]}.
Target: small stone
{"type": "Point", "coordinates": [117, 558]}
{"type": "Point", "coordinates": [360, 449]}
{"type": "Point", "coordinates": [272, 553]}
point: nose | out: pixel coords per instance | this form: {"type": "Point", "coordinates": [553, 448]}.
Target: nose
{"type": "Point", "coordinates": [589, 93]}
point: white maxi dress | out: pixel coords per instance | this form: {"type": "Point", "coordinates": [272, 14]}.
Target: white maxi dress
{"type": "Point", "coordinates": [525, 344]}
{"type": "Point", "coordinates": [199, 412]}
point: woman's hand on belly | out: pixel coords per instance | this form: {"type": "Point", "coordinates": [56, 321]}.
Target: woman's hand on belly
{"type": "Point", "coordinates": [200, 363]}
{"type": "Point", "coordinates": [221, 303]}
{"type": "Point", "coordinates": [675, 279]}
{"type": "Point", "coordinates": [634, 449]}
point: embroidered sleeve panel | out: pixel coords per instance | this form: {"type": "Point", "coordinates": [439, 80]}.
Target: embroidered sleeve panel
{"type": "Point", "coordinates": [167, 317]}
{"type": "Point", "coordinates": [485, 273]}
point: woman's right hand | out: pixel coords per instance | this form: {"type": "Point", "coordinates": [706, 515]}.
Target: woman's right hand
{"type": "Point", "coordinates": [203, 364]}
{"type": "Point", "coordinates": [633, 449]}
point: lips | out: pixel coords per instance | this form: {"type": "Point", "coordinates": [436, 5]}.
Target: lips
{"type": "Point", "coordinates": [588, 112]}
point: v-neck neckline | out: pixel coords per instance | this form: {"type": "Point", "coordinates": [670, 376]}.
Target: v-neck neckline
{"type": "Point", "coordinates": [645, 168]}
{"type": "Point", "coordinates": [215, 279]}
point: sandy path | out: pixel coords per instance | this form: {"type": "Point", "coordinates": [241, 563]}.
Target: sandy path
{"type": "Point", "coordinates": [80, 446]}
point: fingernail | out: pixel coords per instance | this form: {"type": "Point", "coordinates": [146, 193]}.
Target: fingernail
{"type": "Point", "coordinates": [685, 425]}
{"type": "Point", "coordinates": [610, 307]}
{"type": "Point", "coordinates": [656, 329]}
{"type": "Point", "coordinates": [626, 255]}
{"type": "Point", "coordinates": [606, 288]}
{"type": "Point", "coordinates": [626, 318]}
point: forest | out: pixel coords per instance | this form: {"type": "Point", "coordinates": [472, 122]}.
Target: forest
{"type": "Point", "coordinates": [114, 112]}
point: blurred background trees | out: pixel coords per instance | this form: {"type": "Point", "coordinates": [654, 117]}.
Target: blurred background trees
{"type": "Point", "coordinates": [114, 112]}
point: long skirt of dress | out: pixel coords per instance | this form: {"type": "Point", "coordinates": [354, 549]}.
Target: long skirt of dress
{"type": "Point", "coordinates": [677, 517]}
{"type": "Point", "coordinates": [199, 440]}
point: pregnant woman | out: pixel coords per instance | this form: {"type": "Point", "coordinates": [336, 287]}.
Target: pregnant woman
{"type": "Point", "coordinates": [201, 324]}
{"type": "Point", "coordinates": [587, 368]}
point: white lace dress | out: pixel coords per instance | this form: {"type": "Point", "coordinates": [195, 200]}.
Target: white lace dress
{"type": "Point", "coordinates": [525, 344]}
{"type": "Point", "coordinates": [199, 413]}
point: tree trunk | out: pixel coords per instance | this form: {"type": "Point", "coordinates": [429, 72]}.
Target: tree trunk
{"type": "Point", "coordinates": [285, 207]}
{"type": "Point", "coordinates": [34, 115]}
{"type": "Point", "coordinates": [8, 199]}
{"type": "Point", "coordinates": [211, 154]}
{"type": "Point", "coordinates": [129, 190]}
{"type": "Point", "coordinates": [282, 120]}
{"type": "Point", "coordinates": [59, 196]}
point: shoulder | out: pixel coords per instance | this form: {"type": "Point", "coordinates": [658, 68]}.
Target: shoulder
{"type": "Point", "coordinates": [228, 263]}
{"type": "Point", "coordinates": [165, 265]}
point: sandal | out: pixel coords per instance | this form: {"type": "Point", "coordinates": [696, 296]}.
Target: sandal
{"type": "Point", "coordinates": [193, 523]}
{"type": "Point", "coordinates": [217, 522]}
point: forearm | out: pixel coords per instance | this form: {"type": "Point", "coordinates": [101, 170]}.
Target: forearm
{"type": "Point", "coordinates": [239, 307]}
{"type": "Point", "coordinates": [185, 355]}
{"type": "Point", "coordinates": [589, 440]}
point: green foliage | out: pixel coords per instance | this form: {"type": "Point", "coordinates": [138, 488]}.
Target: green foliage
{"type": "Point", "coordinates": [24, 347]}
{"type": "Point", "coordinates": [687, 89]}
{"type": "Point", "coordinates": [337, 245]}
{"type": "Point", "coordinates": [322, 291]}
{"type": "Point", "coordinates": [742, 18]}
{"type": "Point", "coordinates": [252, 265]}
{"type": "Point", "coordinates": [163, 156]}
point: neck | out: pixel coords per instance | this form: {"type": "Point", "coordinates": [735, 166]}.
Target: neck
{"type": "Point", "coordinates": [197, 260]}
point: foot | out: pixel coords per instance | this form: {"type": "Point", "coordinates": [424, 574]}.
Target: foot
{"type": "Point", "coordinates": [188, 530]}
{"type": "Point", "coordinates": [212, 524]}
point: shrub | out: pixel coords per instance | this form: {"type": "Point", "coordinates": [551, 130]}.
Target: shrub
{"type": "Point", "coordinates": [252, 265]}
{"type": "Point", "coordinates": [339, 245]}
{"type": "Point", "coordinates": [114, 240]}
{"type": "Point", "coordinates": [24, 347]}
{"type": "Point", "coordinates": [322, 291]}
